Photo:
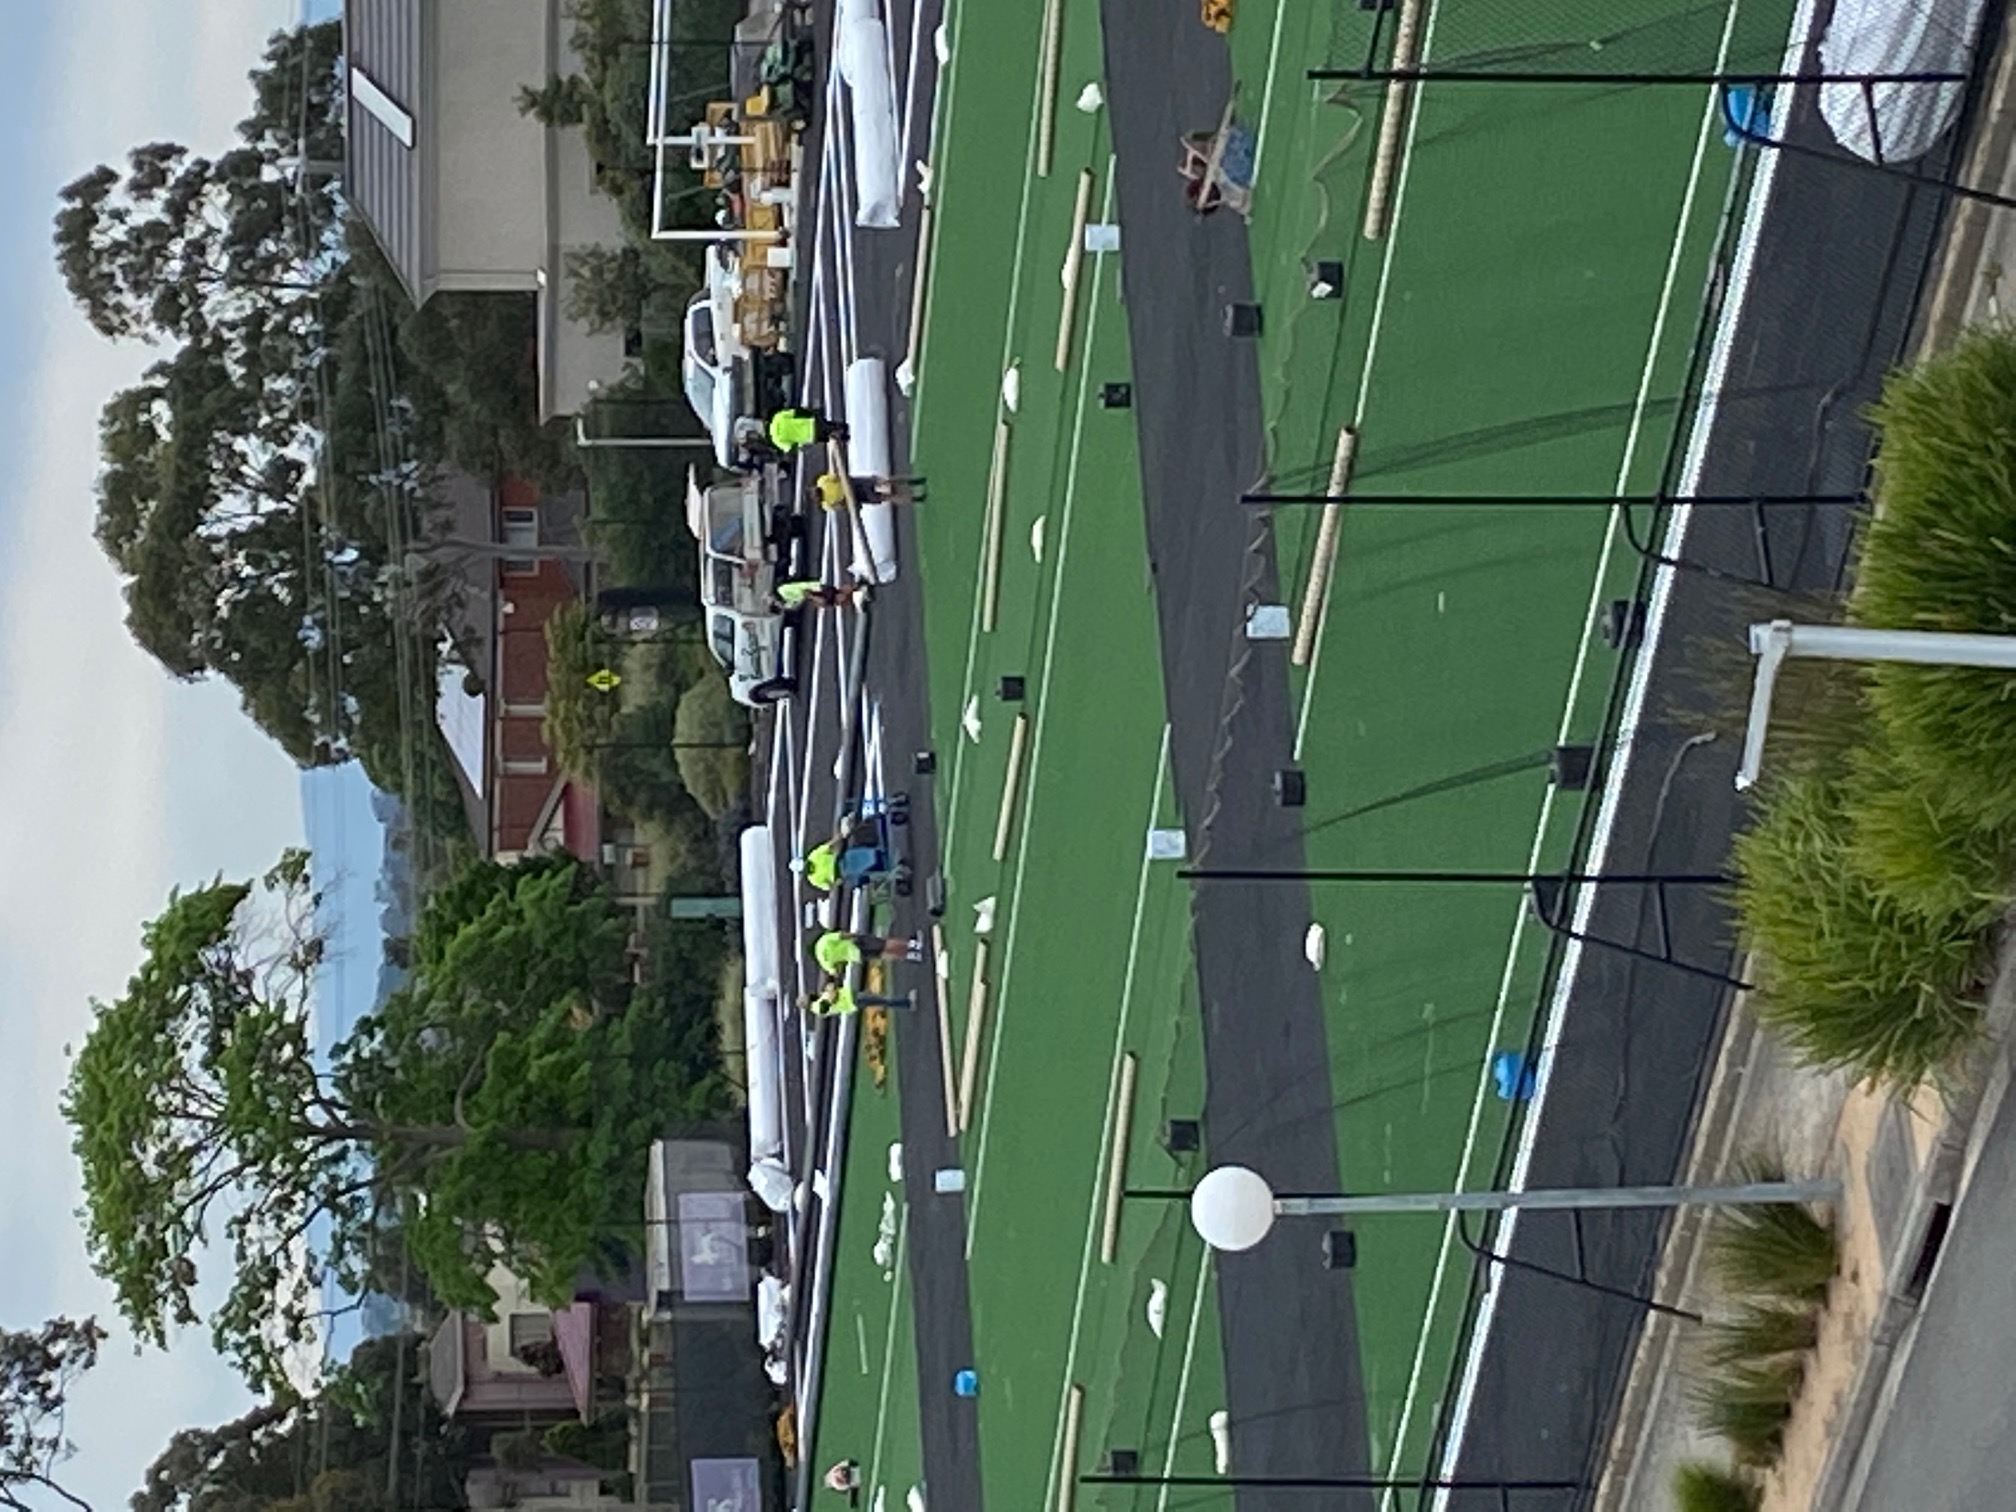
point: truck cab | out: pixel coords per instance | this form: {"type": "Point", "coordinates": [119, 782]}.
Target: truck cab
{"type": "Point", "coordinates": [745, 545]}
{"type": "Point", "coordinates": [724, 380]}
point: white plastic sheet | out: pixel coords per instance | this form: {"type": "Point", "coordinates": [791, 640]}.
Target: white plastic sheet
{"type": "Point", "coordinates": [772, 1185]}
{"type": "Point", "coordinates": [1884, 37]}
{"type": "Point", "coordinates": [760, 996]}
{"type": "Point", "coordinates": [863, 51]}
{"type": "Point", "coordinates": [869, 455]}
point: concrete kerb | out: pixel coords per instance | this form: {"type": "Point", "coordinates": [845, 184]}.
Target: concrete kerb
{"type": "Point", "coordinates": [1658, 1368]}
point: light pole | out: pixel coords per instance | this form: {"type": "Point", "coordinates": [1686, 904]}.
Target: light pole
{"type": "Point", "coordinates": [1552, 501]}
{"type": "Point", "coordinates": [1233, 1208]}
{"type": "Point", "coordinates": [1771, 643]}
{"type": "Point", "coordinates": [1446, 878]}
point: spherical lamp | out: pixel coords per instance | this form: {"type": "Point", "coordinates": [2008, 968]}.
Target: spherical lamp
{"type": "Point", "coordinates": [1232, 1208]}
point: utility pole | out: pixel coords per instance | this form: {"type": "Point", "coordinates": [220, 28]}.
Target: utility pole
{"type": "Point", "coordinates": [1553, 501]}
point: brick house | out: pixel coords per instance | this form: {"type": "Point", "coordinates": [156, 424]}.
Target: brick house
{"type": "Point", "coordinates": [492, 695]}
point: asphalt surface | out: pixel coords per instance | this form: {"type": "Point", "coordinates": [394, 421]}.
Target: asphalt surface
{"type": "Point", "coordinates": [1287, 1325]}
{"type": "Point", "coordinates": [1949, 1442]}
{"type": "Point", "coordinates": [873, 276]}
{"type": "Point", "coordinates": [1833, 293]}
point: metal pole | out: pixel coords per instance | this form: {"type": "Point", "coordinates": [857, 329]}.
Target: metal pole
{"type": "Point", "coordinates": [1561, 1199]}
{"type": "Point", "coordinates": [1327, 1482]}
{"type": "Point", "coordinates": [1553, 501]}
{"type": "Point", "coordinates": [1771, 643]}
{"type": "Point", "coordinates": [585, 442]}
{"type": "Point", "coordinates": [1569, 77]}
{"type": "Point", "coordinates": [1450, 878]}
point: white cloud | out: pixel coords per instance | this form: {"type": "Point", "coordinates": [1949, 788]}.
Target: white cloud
{"type": "Point", "coordinates": [97, 748]}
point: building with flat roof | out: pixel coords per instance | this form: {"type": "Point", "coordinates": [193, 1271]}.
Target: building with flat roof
{"type": "Point", "coordinates": [463, 192]}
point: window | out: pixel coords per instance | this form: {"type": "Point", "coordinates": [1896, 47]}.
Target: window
{"type": "Point", "coordinates": [703, 337]}
{"type": "Point", "coordinates": [521, 529]}
{"type": "Point", "coordinates": [533, 1344]}
{"type": "Point", "coordinates": [530, 1329]}
{"type": "Point", "coordinates": [721, 632]}
{"type": "Point", "coordinates": [723, 575]}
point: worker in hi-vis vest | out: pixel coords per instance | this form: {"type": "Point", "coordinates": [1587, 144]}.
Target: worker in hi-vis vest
{"type": "Point", "coordinates": [792, 429]}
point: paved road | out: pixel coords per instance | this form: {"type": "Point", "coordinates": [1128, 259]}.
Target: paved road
{"type": "Point", "coordinates": [862, 310]}
{"type": "Point", "coordinates": [1949, 1445]}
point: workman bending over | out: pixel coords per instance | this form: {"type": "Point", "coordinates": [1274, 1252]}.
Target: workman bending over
{"type": "Point", "coordinates": [837, 860]}
{"type": "Point", "coordinates": [837, 1000]}
{"type": "Point", "coordinates": [793, 429]}
{"type": "Point", "coordinates": [837, 949]}
{"type": "Point", "coordinates": [818, 595]}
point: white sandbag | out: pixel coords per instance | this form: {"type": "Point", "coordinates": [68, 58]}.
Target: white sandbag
{"type": "Point", "coordinates": [772, 1185]}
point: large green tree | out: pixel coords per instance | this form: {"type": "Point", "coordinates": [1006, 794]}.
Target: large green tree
{"type": "Point", "coordinates": [37, 1368]}
{"type": "Point", "coordinates": [498, 1106]}
{"type": "Point", "coordinates": [371, 1438]}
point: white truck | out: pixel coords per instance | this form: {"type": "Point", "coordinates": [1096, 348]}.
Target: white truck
{"type": "Point", "coordinates": [724, 379]}
{"type": "Point", "coordinates": [746, 544]}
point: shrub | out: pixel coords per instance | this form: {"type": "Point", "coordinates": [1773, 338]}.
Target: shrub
{"type": "Point", "coordinates": [1709, 1488]}
{"type": "Point", "coordinates": [1940, 554]}
{"type": "Point", "coordinates": [1778, 1252]}
{"type": "Point", "coordinates": [1851, 978]}
{"type": "Point", "coordinates": [712, 734]}
{"type": "Point", "coordinates": [1760, 1333]}
{"type": "Point", "coordinates": [1931, 857]}
{"type": "Point", "coordinates": [1749, 1405]}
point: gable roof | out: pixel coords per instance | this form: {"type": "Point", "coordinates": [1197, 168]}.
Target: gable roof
{"type": "Point", "coordinates": [386, 139]}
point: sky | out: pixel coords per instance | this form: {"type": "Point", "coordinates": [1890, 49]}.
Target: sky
{"type": "Point", "coordinates": [121, 784]}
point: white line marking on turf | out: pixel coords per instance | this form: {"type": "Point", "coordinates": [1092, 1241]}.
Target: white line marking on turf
{"type": "Point", "coordinates": [1096, 1216]}
{"type": "Point", "coordinates": [1371, 351]}
{"type": "Point", "coordinates": [945, 84]}
{"type": "Point", "coordinates": [1183, 1380]}
{"type": "Point", "coordinates": [1028, 820]}
{"type": "Point", "coordinates": [1007, 355]}
{"type": "Point", "coordinates": [1267, 91]}
{"type": "Point", "coordinates": [1631, 714]}
{"type": "Point", "coordinates": [889, 1346]}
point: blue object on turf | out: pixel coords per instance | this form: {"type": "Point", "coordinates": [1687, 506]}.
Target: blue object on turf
{"type": "Point", "coordinates": [966, 1383]}
{"type": "Point", "coordinates": [1512, 1077]}
{"type": "Point", "coordinates": [1745, 115]}
{"type": "Point", "coordinates": [1241, 156]}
